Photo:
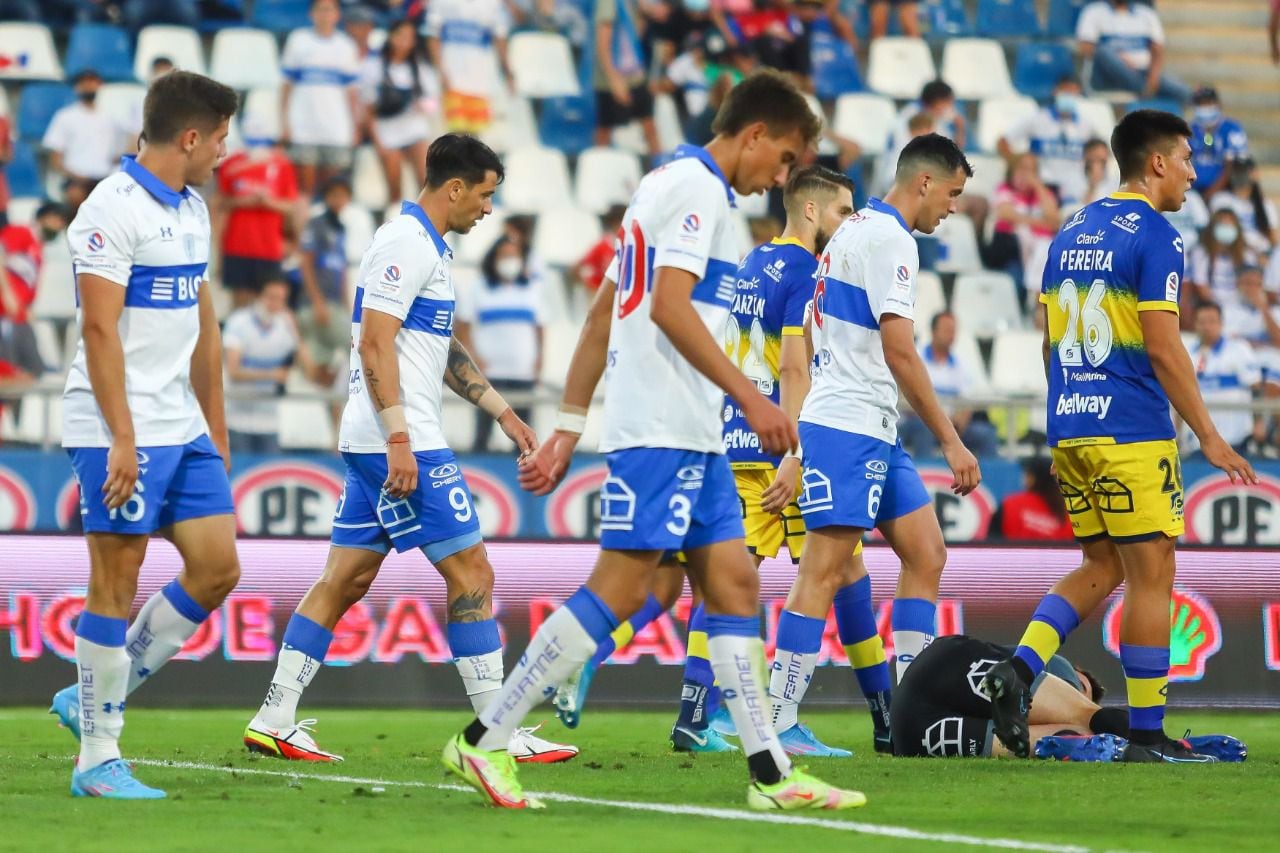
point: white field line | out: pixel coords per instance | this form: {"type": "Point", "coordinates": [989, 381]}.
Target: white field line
{"type": "Point", "coordinates": [660, 808]}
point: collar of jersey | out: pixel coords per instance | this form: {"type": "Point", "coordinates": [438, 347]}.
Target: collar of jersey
{"type": "Point", "coordinates": [879, 206]}
{"type": "Point", "coordinates": [700, 154]}
{"type": "Point", "coordinates": [786, 241]}
{"type": "Point", "coordinates": [1119, 196]}
{"type": "Point", "coordinates": [159, 191]}
{"type": "Point", "coordinates": [408, 207]}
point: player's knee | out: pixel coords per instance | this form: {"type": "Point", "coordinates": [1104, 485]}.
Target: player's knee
{"type": "Point", "coordinates": [472, 572]}
{"type": "Point", "coordinates": [927, 563]}
{"type": "Point", "coordinates": [355, 587]}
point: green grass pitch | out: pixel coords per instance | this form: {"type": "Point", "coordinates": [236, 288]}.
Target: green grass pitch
{"type": "Point", "coordinates": [393, 795]}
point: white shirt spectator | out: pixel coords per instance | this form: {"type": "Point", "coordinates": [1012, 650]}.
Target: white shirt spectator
{"type": "Point", "coordinates": [505, 317]}
{"type": "Point", "coordinates": [413, 124]}
{"type": "Point", "coordinates": [1058, 141]}
{"type": "Point", "coordinates": [262, 346]}
{"type": "Point", "coordinates": [1129, 30]}
{"type": "Point", "coordinates": [691, 79]}
{"type": "Point", "coordinates": [87, 138]}
{"type": "Point", "coordinates": [951, 378]}
{"type": "Point", "coordinates": [1220, 275]}
{"type": "Point", "coordinates": [467, 30]}
{"type": "Point", "coordinates": [321, 71]}
{"type": "Point", "coordinates": [1227, 372]}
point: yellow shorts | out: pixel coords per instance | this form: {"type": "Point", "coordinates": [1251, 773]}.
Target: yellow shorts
{"type": "Point", "coordinates": [765, 531]}
{"type": "Point", "coordinates": [466, 113]}
{"type": "Point", "coordinates": [1127, 492]}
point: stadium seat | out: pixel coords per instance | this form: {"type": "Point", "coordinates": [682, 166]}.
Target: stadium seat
{"type": "Point", "coordinates": [1099, 114]}
{"type": "Point", "coordinates": [368, 181]}
{"type": "Point", "coordinates": [567, 124]}
{"type": "Point", "coordinates": [56, 290]}
{"type": "Point", "coordinates": [123, 103]}
{"type": "Point", "coordinates": [900, 66]}
{"type": "Point", "coordinates": [537, 178]}
{"type": "Point", "coordinates": [280, 16]}
{"type": "Point", "coordinates": [22, 209]}
{"type": "Point", "coordinates": [752, 206]}
{"type": "Point", "coordinates": [358, 223]}
{"type": "Point", "coordinates": [947, 19]}
{"type": "Point", "coordinates": [988, 173]}
{"type": "Point", "coordinates": [833, 65]}
{"type": "Point", "coordinates": [959, 246]}
{"type": "Point", "coordinates": [1160, 104]}
{"type": "Point", "coordinates": [866, 119]}
{"type": "Point", "coordinates": [606, 176]}
{"type": "Point", "coordinates": [667, 118]}
{"type": "Point", "coordinates": [1038, 66]}
{"type": "Point", "coordinates": [930, 298]}
{"type": "Point", "coordinates": [1008, 18]}
{"type": "Point", "coordinates": [103, 48]}
{"type": "Point", "coordinates": [47, 343]}
{"type": "Point", "coordinates": [27, 53]}
{"type": "Point", "coordinates": [4, 103]}
{"type": "Point", "coordinates": [542, 64]}
{"type": "Point", "coordinates": [470, 248]}
{"type": "Point", "coordinates": [1017, 365]}
{"type": "Point", "coordinates": [23, 171]}
{"type": "Point", "coordinates": [245, 58]}
{"type": "Point", "coordinates": [38, 104]}
{"type": "Point", "coordinates": [180, 44]}
{"type": "Point", "coordinates": [969, 353]}
{"type": "Point", "coordinates": [305, 425]}
{"type": "Point", "coordinates": [976, 68]}
{"type": "Point", "coordinates": [986, 304]}
{"type": "Point", "coordinates": [39, 419]}
{"type": "Point", "coordinates": [1062, 17]}
{"type": "Point", "coordinates": [564, 234]}
{"type": "Point", "coordinates": [997, 115]}
{"type": "Point", "coordinates": [263, 104]}
{"type": "Point", "coordinates": [514, 125]}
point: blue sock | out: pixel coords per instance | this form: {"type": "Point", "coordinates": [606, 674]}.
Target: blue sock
{"type": "Point", "coordinates": [1053, 620]}
{"type": "Point", "coordinates": [626, 632]}
{"type": "Point", "coordinates": [477, 653]}
{"type": "Point", "coordinates": [308, 637]}
{"type": "Point", "coordinates": [1146, 674]}
{"type": "Point", "coordinates": [795, 658]}
{"type": "Point", "coordinates": [912, 622]}
{"type": "Point", "coordinates": [856, 622]}
{"type": "Point", "coordinates": [699, 680]}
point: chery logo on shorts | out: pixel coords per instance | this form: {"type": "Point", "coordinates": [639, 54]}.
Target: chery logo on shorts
{"type": "Point", "coordinates": [441, 471]}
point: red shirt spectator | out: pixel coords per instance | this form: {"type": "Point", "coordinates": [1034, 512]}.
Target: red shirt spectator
{"type": "Point", "coordinates": [6, 154]}
{"type": "Point", "coordinates": [23, 255]}
{"type": "Point", "coordinates": [256, 230]}
{"type": "Point", "coordinates": [1038, 513]}
{"type": "Point", "coordinates": [595, 263]}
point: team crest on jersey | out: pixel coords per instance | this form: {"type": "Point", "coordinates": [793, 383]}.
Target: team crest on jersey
{"type": "Point", "coordinates": [97, 242]}
{"type": "Point", "coordinates": [691, 224]}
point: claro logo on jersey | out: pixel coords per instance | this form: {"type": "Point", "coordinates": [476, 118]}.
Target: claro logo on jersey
{"type": "Point", "coordinates": [1195, 634]}
{"type": "Point", "coordinates": [286, 499]}
{"type": "Point", "coordinates": [1222, 513]}
{"type": "Point", "coordinates": [17, 503]}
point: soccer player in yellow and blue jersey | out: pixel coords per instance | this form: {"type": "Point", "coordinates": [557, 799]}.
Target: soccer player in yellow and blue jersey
{"type": "Point", "coordinates": [1115, 362]}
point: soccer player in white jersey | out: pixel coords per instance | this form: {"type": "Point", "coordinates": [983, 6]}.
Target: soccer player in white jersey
{"type": "Point", "coordinates": [143, 418]}
{"type": "Point", "coordinates": [669, 486]}
{"type": "Point", "coordinates": [403, 488]}
{"type": "Point", "coordinates": [856, 475]}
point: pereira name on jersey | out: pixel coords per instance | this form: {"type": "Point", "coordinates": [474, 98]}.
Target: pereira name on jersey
{"type": "Point", "coordinates": [404, 273]}
{"type": "Point", "coordinates": [136, 232]}
{"type": "Point", "coordinates": [678, 217]}
{"type": "Point", "coordinates": [1115, 259]}
{"type": "Point", "coordinates": [775, 283]}
{"type": "Point", "coordinates": [868, 270]}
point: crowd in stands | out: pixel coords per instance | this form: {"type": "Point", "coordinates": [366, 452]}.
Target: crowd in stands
{"type": "Point", "coordinates": [329, 145]}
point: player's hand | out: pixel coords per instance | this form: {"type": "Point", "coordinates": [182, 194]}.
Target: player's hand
{"type": "Point", "coordinates": [526, 440]}
{"type": "Point", "coordinates": [541, 471]}
{"type": "Point", "coordinates": [618, 88]}
{"type": "Point", "coordinates": [782, 491]}
{"type": "Point", "coordinates": [964, 467]}
{"type": "Point", "coordinates": [402, 470]}
{"type": "Point", "coordinates": [777, 431]}
{"type": "Point", "coordinates": [122, 474]}
{"type": "Point", "coordinates": [1222, 455]}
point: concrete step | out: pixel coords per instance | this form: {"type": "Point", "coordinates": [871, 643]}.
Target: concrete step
{"type": "Point", "coordinates": [1228, 43]}
{"type": "Point", "coordinates": [1238, 13]}
{"type": "Point", "coordinates": [1196, 66]}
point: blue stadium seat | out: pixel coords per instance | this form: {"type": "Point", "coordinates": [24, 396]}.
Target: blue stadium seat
{"type": "Point", "coordinates": [834, 67]}
{"type": "Point", "coordinates": [1062, 17]}
{"type": "Point", "coordinates": [1039, 66]}
{"type": "Point", "coordinates": [101, 47]}
{"type": "Point", "coordinates": [280, 16]}
{"type": "Point", "coordinates": [947, 18]}
{"type": "Point", "coordinates": [23, 172]}
{"type": "Point", "coordinates": [1008, 18]}
{"type": "Point", "coordinates": [38, 104]}
{"type": "Point", "coordinates": [1161, 104]}
{"type": "Point", "coordinates": [567, 124]}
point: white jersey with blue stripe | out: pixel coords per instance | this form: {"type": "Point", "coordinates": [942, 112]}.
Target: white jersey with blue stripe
{"type": "Point", "coordinates": [136, 232]}
{"type": "Point", "coordinates": [868, 270]}
{"type": "Point", "coordinates": [404, 273]}
{"type": "Point", "coordinates": [678, 217]}
{"type": "Point", "coordinates": [321, 70]}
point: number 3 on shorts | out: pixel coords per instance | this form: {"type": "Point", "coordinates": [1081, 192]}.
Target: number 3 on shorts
{"type": "Point", "coordinates": [681, 515]}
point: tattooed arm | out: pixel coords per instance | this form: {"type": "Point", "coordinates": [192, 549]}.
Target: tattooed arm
{"type": "Point", "coordinates": [462, 375]}
{"type": "Point", "coordinates": [382, 378]}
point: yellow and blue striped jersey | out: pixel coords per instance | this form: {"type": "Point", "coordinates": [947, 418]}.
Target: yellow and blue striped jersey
{"type": "Point", "coordinates": [1116, 258]}
{"type": "Point", "coordinates": [775, 282]}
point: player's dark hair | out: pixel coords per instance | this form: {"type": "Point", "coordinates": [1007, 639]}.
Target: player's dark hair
{"type": "Point", "coordinates": [936, 91]}
{"type": "Point", "coordinates": [813, 179]}
{"type": "Point", "coordinates": [768, 96]}
{"type": "Point", "coordinates": [1095, 686]}
{"type": "Point", "coordinates": [932, 151]}
{"type": "Point", "coordinates": [459, 155]}
{"type": "Point", "coordinates": [937, 318]}
{"type": "Point", "coordinates": [1142, 133]}
{"type": "Point", "coordinates": [182, 100]}
{"type": "Point", "coordinates": [1210, 306]}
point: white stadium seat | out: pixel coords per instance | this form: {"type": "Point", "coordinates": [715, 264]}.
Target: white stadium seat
{"type": "Point", "coordinates": [28, 53]}
{"type": "Point", "coordinates": [542, 64]}
{"type": "Point", "coordinates": [122, 102]}
{"type": "Point", "coordinates": [960, 244]}
{"type": "Point", "coordinates": [968, 352]}
{"type": "Point", "coordinates": [368, 181]}
{"type": "Point", "coordinates": [986, 303]}
{"type": "Point", "coordinates": [358, 224]}
{"type": "Point", "coordinates": [1099, 115]}
{"type": "Point", "coordinates": [56, 292]}
{"type": "Point", "coordinates": [4, 103]}
{"type": "Point", "coordinates": [564, 234]}
{"type": "Point", "coordinates": [866, 119]}
{"type": "Point", "coordinates": [752, 206]}
{"type": "Point", "coordinates": [245, 58]}
{"type": "Point", "coordinates": [930, 299]}
{"type": "Point", "coordinates": [1017, 365]}
{"type": "Point", "coordinates": [22, 210]}
{"type": "Point", "coordinates": [40, 419]}
{"type": "Point", "coordinates": [180, 44]}
{"type": "Point", "coordinates": [976, 68]}
{"type": "Point", "coordinates": [263, 105]}
{"type": "Point", "coordinates": [305, 425]}
{"type": "Point", "coordinates": [514, 125]}
{"type": "Point", "coordinates": [606, 176]}
{"type": "Point", "coordinates": [666, 117]}
{"type": "Point", "coordinates": [47, 343]}
{"type": "Point", "coordinates": [900, 66]}
{"type": "Point", "coordinates": [997, 116]}
{"type": "Point", "coordinates": [537, 178]}
{"type": "Point", "coordinates": [988, 173]}
{"type": "Point", "coordinates": [470, 248]}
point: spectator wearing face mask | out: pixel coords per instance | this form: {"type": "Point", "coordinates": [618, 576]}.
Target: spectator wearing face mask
{"type": "Point", "coordinates": [1028, 211]}
{"type": "Point", "coordinates": [21, 257]}
{"type": "Point", "coordinates": [501, 324]}
{"type": "Point", "coordinates": [1244, 197]}
{"type": "Point", "coordinates": [1216, 262]}
{"type": "Point", "coordinates": [1215, 141]}
{"type": "Point", "coordinates": [938, 100]}
{"type": "Point", "coordinates": [83, 142]}
{"type": "Point", "coordinates": [1253, 318]}
{"type": "Point", "coordinates": [1056, 135]}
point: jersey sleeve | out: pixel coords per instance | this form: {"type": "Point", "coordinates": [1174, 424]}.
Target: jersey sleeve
{"type": "Point", "coordinates": [103, 240]}
{"type": "Point", "coordinates": [1160, 268]}
{"type": "Point", "coordinates": [395, 273]}
{"type": "Point", "coordinates": [291, 57]}
{"type": "Point", "coordinates": [684, 240]}
{"type": "Point", "coordinates": [1088, 27]}
{"type": "Point", "coordinates": [800, 286]}
{"type": "Point", "coordinates": [891, 278]}
{"type": "Point", "coordinates": [56, 136]}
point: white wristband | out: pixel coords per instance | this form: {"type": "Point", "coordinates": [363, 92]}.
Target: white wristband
{"type": "Point", "coordinates": [492, 404]}
{"type": "Point", "coordinates": [798, 453]}
{"type": "Point", "coordinates": [570, 422]}
{"type": "Point", "coordinates": [393, 420]}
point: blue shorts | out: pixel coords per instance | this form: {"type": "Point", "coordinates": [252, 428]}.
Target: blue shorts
{"type": "Point", "coordinates": [853, 480]}
{"type": "Point", "coordinates": [439, 517]}
{"type": "Point", "coordinates": [658, 499]}
{"type": "Point", "coordinates": [175, 483]}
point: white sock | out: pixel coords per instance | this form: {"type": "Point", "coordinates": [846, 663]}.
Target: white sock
{"type": "Point", "coordinates": [561, 645]}
{"type": "Point", "coordinates": [907, 646]}
{"type": "Point", "coordinates": [103, 685]}
{"type": "Point", "coordinates": [788, 682]}
{"type": "Point", "coordinates": [294, 671]}
{"type": "Point", "coordinates": [156, 636]}
{"type": "Point", "coordinates": [739, 666]}
{"type": "Point", "coordinates": [481, 677]}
